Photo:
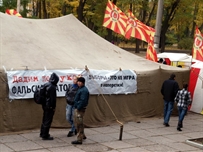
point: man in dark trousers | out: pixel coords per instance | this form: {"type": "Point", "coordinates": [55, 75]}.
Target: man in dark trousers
{"type": "Point", "coordinates": [169, 90]}
{"type": "Point", "coordinates": [49, 107]}
{"type": "Point", "coordinates": [80, 103]}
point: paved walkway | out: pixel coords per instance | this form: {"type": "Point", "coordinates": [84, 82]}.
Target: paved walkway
{"type": "Point", "coordinates": [148, 136]}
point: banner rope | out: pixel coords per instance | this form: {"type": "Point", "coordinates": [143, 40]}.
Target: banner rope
{"type": "Point", "coordinates": [100, 91]}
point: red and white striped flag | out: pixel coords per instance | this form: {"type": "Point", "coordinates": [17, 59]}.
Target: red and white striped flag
{"type": "Point", "coordinates": [151, 52]}
{"type": "Point", "coordinates": [115, 19]}
{"type": "Point", "coordinates": [135, 28]}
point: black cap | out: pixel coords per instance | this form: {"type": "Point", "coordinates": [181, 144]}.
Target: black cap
{"type": "Point", "coordinates": [81, 79]}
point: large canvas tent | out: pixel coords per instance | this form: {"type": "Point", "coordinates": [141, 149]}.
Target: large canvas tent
{"type": "Point", "coordinates": [64, 43]}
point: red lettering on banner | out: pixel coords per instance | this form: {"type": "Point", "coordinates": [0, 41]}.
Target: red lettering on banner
{"type": "Point", "coordinates": [62, 78]}
{"type": "Point", "coordinates": [15, 79]}
{"type": "Point", "coordinates": [20, 79]}
{"type": "Point", "coordinates": [24, 79]}
{"type": "Point", "coordinates": [69, 77]}
{"type": "Point", "coordinates": [35, 78]}
{"type": "Point", "coordinates": [45, 78]}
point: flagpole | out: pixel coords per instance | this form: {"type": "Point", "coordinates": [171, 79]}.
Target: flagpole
{"type": "Point", "coordinates": [18, 6]}
{"type": "Point", "coordinates": [158, 25]}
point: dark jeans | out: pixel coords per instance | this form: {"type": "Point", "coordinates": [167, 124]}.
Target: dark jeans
{"type": "Point", "coordinates": [168, 108]}
{"type": "Point", "coordinates": [46, 121]}
{"type": "Point", "coordinates": [181, 112]}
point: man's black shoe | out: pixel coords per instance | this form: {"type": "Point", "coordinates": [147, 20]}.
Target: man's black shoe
{"type": "Point", "coordinates": [40, 135]}
{"type": "Point", "coordinates": [84, 137]}
{"type": "Point", "coordinates": [70, 134]}
{"type": "Point", "coordinates": [179, 129]}
{"type": "Point", "coordinates": [48, 138]}
{"type": "Point", "coordinates": [76, 142]}
{"type": "Point", "coordinates": [166, 124]}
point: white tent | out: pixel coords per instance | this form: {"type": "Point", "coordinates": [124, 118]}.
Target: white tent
{"type": "Point", "coordinates": [173, 56]}
{"type": "Point", "coordinates": [176, 59]}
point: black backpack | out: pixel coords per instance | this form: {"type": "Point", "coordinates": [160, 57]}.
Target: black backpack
{"type": "Point", "coordinates": [40, 94]}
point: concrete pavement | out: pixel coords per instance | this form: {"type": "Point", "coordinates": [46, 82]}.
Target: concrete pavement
{"type": "Point", "coordinates": [147, 136]}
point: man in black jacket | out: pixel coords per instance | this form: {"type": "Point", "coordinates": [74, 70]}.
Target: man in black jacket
{"type": "Point", "coordinates": [49, 107]}
{"type": "Point", "coordinates": [169, 90]}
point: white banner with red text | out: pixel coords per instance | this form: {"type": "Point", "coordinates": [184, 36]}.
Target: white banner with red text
{"type": "Point", "coordinates": [22, 84]}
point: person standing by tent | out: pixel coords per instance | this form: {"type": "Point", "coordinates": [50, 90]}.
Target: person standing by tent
{"type": "Point", "coordinates": [49, 107]}
{"type": "Point", "coordinates": [80, 104]}
{"type": "Point", "coordinates": [169, 90]}
{"type": "Point", "coordinates": [70, 95]}
{"type": "Point", "coordinates": [183, 99]}
{"type": "Point", "coordinates": [161, 60]}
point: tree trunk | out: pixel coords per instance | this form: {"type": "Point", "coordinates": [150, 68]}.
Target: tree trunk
{"type": "Point", "coordinates": [63, 11]}
{"type": "Point", "coordinates": [162, 42]}
{"type": "Point", "coordinates": [144, 11]}
{"type": "Point", "coordinates": [131, 6]}
{"type": "Point", "coordinates": [80, 10]}
{"type": "Point", "coordinates": [137, 46]}
{"type": "Point", "coordinates": [151, 13]}
{"type": "Point", "coordinates": [34, 8]}
{"type": "Point", "coordinates": [39, 9]}
{"type": "Point", "coordinates": [170, 13]}
{"type": "Point", "coordinates": [44, 9]}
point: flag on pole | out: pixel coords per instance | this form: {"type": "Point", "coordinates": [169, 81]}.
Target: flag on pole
{"type": "Point", "coordinates": [137, 29]}
{"type": "Point", "coordinates": [195, 83]}
{"type": "Point", "coordinates": [115, 19]}
{"type": "Point", "coordinates": [197, 52]}
{"type": "Point", "coordinates": [13, 12]}
{"type": "Point", "coordinates": [151, 52]}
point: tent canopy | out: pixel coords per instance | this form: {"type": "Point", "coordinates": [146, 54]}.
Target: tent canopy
{"type": "Point", "coordinates": [61, 43]}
